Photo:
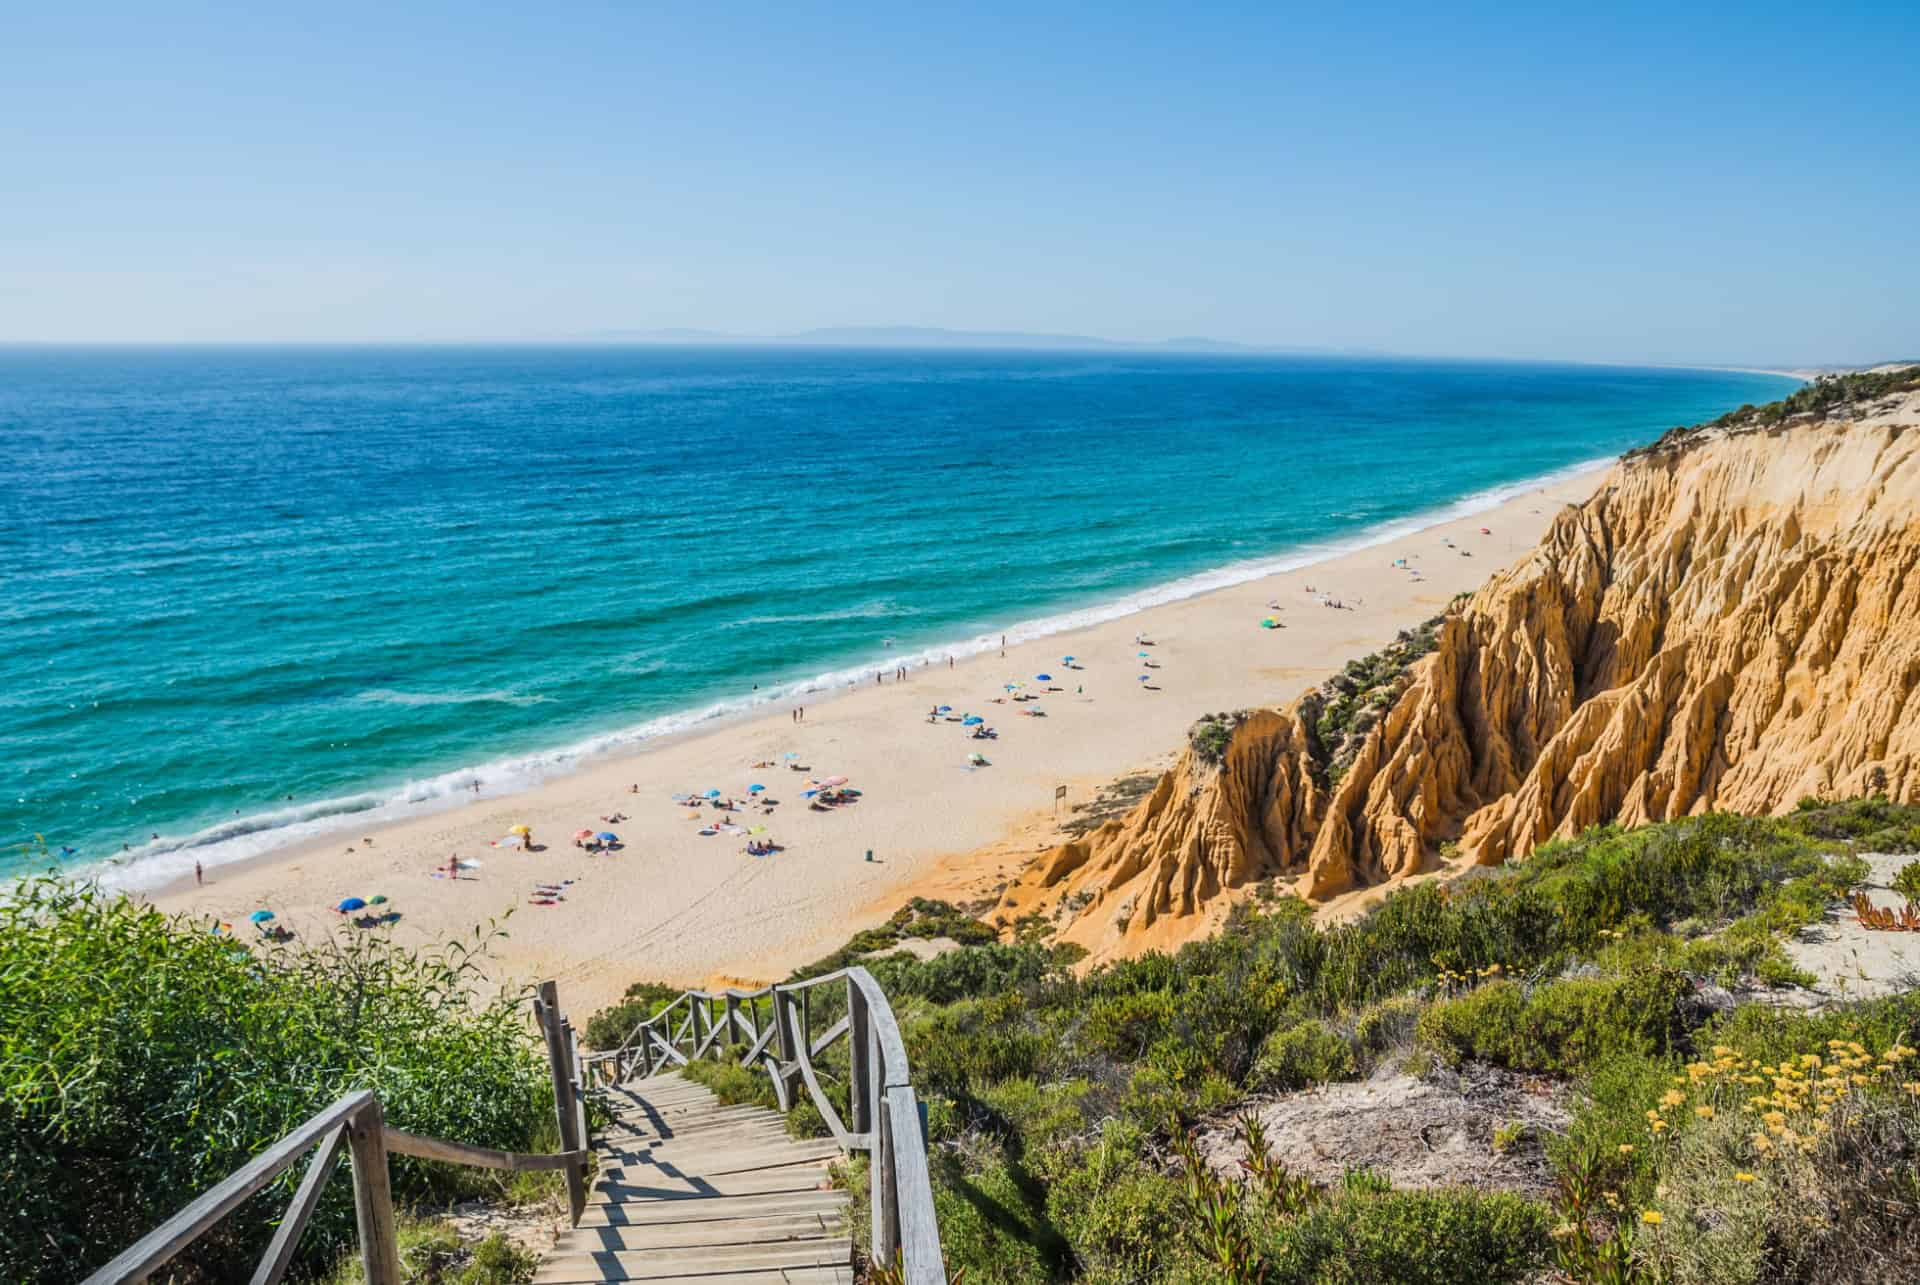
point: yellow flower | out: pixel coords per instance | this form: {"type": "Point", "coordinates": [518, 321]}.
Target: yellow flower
{"type": "Point", "coordinates": [1704, 1112]}
{"type": "Point", "coordinates": [1626, 1148]}
{"type": "Point", "coordinates": [1761, 1142]}
{"type": "Point", "coordinates": [1672, 1098]}
{"type": "Point", "coordinates": [1743, 1176]}
{"type": "Point", "coordinates": [1658, 1125]}
{"type": "Point", "coordinates": [1651, 1218]}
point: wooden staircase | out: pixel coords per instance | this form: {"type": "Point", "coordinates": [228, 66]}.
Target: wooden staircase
{"type": "Point", "coordinates": [690, 1190]}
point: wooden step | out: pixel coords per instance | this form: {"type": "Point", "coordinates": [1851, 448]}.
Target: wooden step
{"type": "Point", "coordinates": [707, 1261]}
{"type": "Point", "coordinates": [690, 1189]}
{"type": "Point", "coordinates": [716, 1209]}
{"type": "Point", "coordinates": [660, 1187]}
{"type": "Point", "coordinates": [777, 1229]}
{"type": "Point", "coordinates": [583, 1271]}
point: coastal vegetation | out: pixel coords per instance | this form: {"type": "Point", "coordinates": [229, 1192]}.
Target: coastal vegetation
{"type": "Point", "coordinates": [1107, 1124]}
{"type": "Point", "coordinates": [144, 1058]}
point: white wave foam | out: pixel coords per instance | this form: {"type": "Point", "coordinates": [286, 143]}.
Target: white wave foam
{"type": "Point", "coordinates": [168, 859]}
{"type": "Point", "coordinates": [386, 696]}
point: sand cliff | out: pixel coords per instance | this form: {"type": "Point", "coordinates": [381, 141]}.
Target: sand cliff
{"type": "Point", "coordinates": [1732, 621]}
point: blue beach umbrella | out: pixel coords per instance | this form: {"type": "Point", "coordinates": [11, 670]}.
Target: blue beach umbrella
{"type": "Point", "coordinates": [755, 789]}
{"type": "Point", "coordinates": [943, 709]}
{"type": "Point", "coordinates": [713, 794]}
{"type": "Point", "coordinates": [1141, 654]}
{"type": "Point", "coordinates": [1043, 678]}
{"type": "Point", "coordinates": [260, 916]}
{"type": "Point", "coordinates": [607, 836]}
{"type": "Point", "coordinates": [972, 720]}
{"type": "Point", "coordinates": [351, 904]}
{"type": "Point", "coordinates": [1066, 660]}
{"type": "Point", "coordinates": [1145, 677]}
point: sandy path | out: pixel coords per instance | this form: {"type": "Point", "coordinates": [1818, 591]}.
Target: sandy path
{"type": "Point", "coordinates": [674, 906]}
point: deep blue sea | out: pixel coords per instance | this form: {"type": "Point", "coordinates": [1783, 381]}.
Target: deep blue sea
{"type": "Point", "coordinates": [248, 594]}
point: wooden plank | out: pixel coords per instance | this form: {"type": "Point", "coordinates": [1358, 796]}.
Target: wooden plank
{"type": "Point", "coordinates": [736, 1231]}
{"type": "Point", "coordinates": [158, 1246]}
{"type": "Point", "coordinates": [719, 1208]}
{"type": "Point", "coordinates": [628, 1265]}
{"type": "Point", "coordinates": [568, 1272]}
{"type": "Point", "coordinates": [919, 1228]}
{"type": "Point", "coordinates": [547, 1009]}
{"type": "Point", "coordinates": [459, 1153]}
{"type": "Point", "coordinates": [740, 1152]}
{"type": "Point", "coordinates": [372, 1196]}
{"type": "Point", "coordinates": [286, 1237]}
{"type": "Point", "coordinates": [661, 1188]}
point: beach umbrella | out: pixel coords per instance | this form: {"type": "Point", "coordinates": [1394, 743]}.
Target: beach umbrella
{"type": "Point", "coordinates": [522, 830]}
{"type": "Point", "coordinates": [351, 904]}
{"type": "Point", "coordinates": [713, 794]}
{"type": "Point", "coordinates": [260, 916]}
{"type": "Point", "coordinates": [938, 709]}
{"type": "Point", "coordinates": [835, 780]}
{"type": "Point", "coordinates": [1145, 677]}
{"type": "Point", "coordinates": [217, 929]}
{"type": "Point", "coordinates": [1141, 654]}
{"type": "Point", "coordinates": [755, 789]}
{"type": "Point", "coordinates": [1484, 531]}
{"type": "Point", "coordinates": [607, 836]}
{"type": "Point", "coordinates": [583, 834]}
{"type": "Point", "coordinates": [972, 720]}
{"type": "Point", "coordinates": [758, 829]}
{"type": "Point", "coordinates": [791, 756]}
{"type": "Point", "coordinates": [1066, 660]}
{"type": "Point", "coordinates": [377, 900]}
{"type": "Point", "coordinates": [1043, 678]}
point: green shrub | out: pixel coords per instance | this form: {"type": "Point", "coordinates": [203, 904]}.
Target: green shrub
{"type": "Point", "coordinates": [1907, 881]}
{"type": "Point", "coordinates": [1440, 1237]}
{"type": "Point", "coordinates": [144, 1059]}
{"type": "Point", "coordinates": [1559, 1026]}
{"type": "Point", "coordinates": [610, 1027]}
{"type": "Point", "coordinates": [1302, 1056]}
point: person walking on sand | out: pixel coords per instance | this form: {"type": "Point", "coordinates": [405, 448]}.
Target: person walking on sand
{"type": "Point", "coordinates": [199, 876]}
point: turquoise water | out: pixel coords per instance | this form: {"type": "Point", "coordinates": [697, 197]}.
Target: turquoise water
{"type": "Point", "coordinates": [246, 595]}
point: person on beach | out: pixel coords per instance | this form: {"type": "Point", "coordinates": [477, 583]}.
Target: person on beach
{"type": "Point", "coordinates": [199, 876]}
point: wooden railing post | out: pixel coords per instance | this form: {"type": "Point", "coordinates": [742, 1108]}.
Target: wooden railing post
{"type": "Point", "coordinates": [782, 1028]}
{"type": "Point", "coordinates": [886, 1192]}
{"type": "Point", "coordinates": [373, 1196]}
{"type": "Point", "coordinates": [579, 1081]}
{"type": "Point", "coordinates": [860, 1061]}
{"type": "Point", "coordinates": [733, 1021]}
{"type": "Point", "coordinates": [547, 1008]}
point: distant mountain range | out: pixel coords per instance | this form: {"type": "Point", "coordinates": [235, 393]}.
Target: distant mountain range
{"type": "Point", "coordinates": [924, 337]}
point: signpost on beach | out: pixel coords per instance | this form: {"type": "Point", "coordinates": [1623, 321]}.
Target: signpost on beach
{"type": "Point", "coordinates": [1059, 793]}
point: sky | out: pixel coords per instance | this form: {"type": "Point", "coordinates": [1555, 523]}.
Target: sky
{"type": "Point", "coordinates": [1671, 183]}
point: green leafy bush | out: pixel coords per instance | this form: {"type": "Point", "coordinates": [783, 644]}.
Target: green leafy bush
{"type": "Point", "coordinates": [610, 1027]}
{"type": "Point", "coordinates": [1907, 881]}
{"type": "Point", "coordinates": [1302, 1056]}
{"type": "Point", "coordinates": [144, 1059]}
{"type": "Point", "coordinates": [1560, 1026]}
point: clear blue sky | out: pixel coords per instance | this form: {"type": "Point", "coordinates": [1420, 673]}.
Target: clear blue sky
{"type": "Point", "coordinates": [1678, 183]}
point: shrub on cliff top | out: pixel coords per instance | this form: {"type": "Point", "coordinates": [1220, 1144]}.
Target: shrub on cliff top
{"type": "Point", "coordinates": [143, 1059]}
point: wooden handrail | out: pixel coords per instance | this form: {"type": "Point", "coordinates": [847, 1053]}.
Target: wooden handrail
{"type": "Point", "coordinates": [356, 1123]}
{"type": "Point", "coordinates": [885, 1117]}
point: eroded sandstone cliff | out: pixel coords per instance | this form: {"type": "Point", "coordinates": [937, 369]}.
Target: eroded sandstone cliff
{"type": "Point", "coordinates": [1732, 621]}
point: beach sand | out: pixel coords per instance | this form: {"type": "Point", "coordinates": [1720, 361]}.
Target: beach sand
{"type": "Point", "coordinates": [677, 907]}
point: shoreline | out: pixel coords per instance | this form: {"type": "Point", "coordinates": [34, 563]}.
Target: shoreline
{"type": "Point", "coordinates": [264, 836]}
{"type": "Point", "coordinates": [676, 906]}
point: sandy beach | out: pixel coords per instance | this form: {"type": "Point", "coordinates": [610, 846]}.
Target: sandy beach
{"type": "Point", "coordinates": [673, 905]}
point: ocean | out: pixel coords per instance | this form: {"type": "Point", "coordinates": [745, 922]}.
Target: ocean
{"type": "Point", "coordinates": [251, 594]}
